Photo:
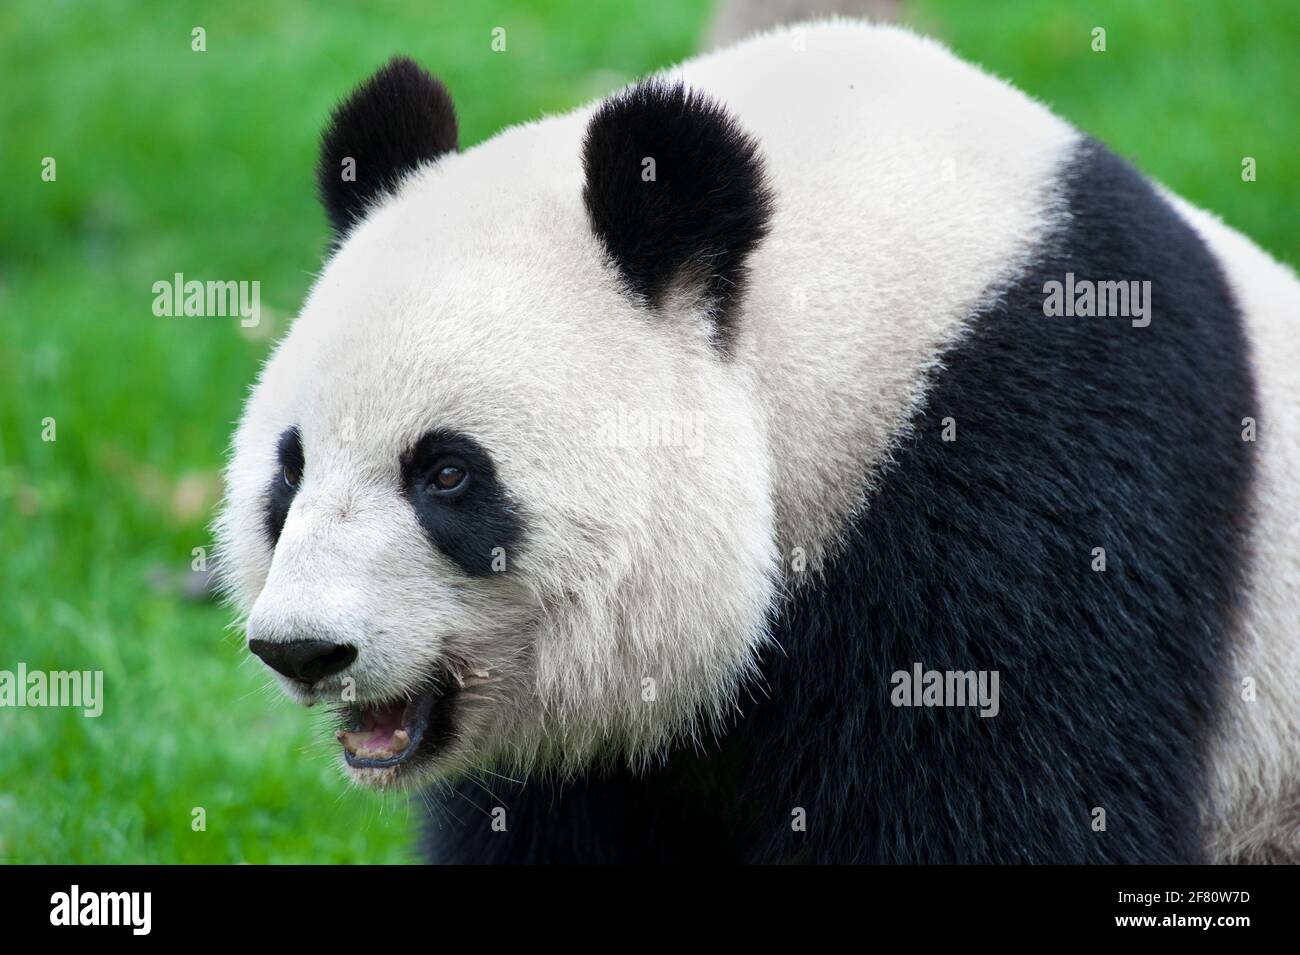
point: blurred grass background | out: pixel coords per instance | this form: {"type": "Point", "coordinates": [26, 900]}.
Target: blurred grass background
{"type": "Point", "coordinates": [170, 161]}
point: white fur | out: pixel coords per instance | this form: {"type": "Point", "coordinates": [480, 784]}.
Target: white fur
{"type": "Point", "coordinates": [1256, 813]}
{"type": "Point", "coordinates": [889, 229]}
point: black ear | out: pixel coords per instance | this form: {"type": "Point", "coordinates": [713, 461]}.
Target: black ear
{"type": "Point", "coordinates": [675, 191]}
{"type": "Point", "coordinates": [391, 123]}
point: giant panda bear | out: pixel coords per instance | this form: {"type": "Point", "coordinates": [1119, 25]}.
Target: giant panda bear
{"type": "Point", "coordinates": [636, 481]}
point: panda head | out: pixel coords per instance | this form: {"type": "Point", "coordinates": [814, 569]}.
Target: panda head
{"type": "Point", "coordinates": [501, 495]}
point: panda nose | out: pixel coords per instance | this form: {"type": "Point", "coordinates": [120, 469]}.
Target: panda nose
{"type": "Point", "coordinates": [304, 660]}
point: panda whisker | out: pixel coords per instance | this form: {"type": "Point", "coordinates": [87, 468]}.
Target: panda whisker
{"type": "Point", "coordinates": [473, 777]}
{"type": "Point", "coordinates": [509, 779]}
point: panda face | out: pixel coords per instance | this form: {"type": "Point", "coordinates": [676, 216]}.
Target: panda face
{"type": "Point", "coordinates": [489, 499]}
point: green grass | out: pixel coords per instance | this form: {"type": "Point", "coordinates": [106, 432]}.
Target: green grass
{"type": "Point", "coordinates": [171, 160]}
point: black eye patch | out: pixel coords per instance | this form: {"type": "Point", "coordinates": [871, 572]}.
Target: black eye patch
{"type": "Point", "coordinates": [452, 484]}
{"type": "Point", "coordinates": [289, 465]}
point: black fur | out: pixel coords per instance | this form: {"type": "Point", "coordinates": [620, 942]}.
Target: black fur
{"type": "Point", "coordinates": [390, 124]}
{"type": "Point", "coordinates": [706, 210]}
{"type": "Point", "coordinates": [671, 815]}
{"type": "Point", "coordinates": [1072, 433]}
{"type": "Point", "coordinates": [279, 494]}
{"type": "Point", "coordinates": [468, 525]}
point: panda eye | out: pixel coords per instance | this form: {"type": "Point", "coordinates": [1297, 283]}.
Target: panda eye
{"type": "Point", "coordinates": [448, 476]}
{"type": "Point", "coordinates": [292, 476]}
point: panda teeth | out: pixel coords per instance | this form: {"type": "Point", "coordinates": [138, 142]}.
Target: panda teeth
{"type": "Point", "coordinates": [365, 751]}
{"type": "Point", "coordinates": [382, 737]}
{"type": "Point", "coordinates": [397, 744]}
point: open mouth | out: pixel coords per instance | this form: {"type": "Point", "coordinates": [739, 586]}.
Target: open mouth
{"type": "Point", "coordinates": [399, 732]}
